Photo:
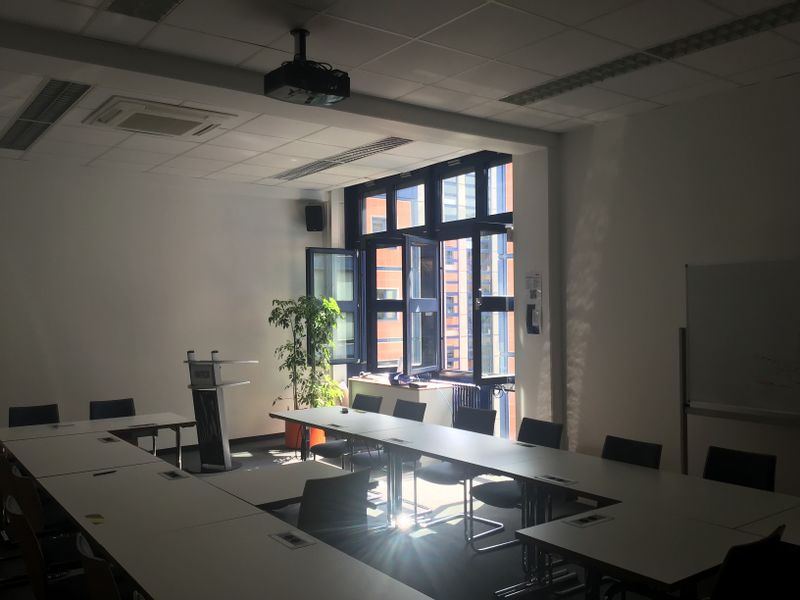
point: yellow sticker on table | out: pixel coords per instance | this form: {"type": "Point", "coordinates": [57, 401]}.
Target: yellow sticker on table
{"type": "Point", "coordinates": [96, 519]}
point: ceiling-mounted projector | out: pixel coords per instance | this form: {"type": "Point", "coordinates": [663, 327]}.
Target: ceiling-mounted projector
{"type": "Point", "coordinates": [303, 81]}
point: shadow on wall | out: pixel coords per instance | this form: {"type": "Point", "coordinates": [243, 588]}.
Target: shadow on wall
{"type": "Point", "coordinates": [585, 260]}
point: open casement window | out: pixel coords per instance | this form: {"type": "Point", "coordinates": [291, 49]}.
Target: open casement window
{"type": "Point", "coordinates": [422, 325]}
{"type": "Point", "coordinates": [335, 273]}
{"type": "Point", "coordinates": [493, 293]}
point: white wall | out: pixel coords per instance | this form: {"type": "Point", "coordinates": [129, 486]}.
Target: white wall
{"type": "Point", "coordinates": [712, 181]}
{"type": "Point", "coordinates": [109, 278]}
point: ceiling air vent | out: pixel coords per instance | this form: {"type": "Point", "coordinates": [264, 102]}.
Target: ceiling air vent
{"type": "Point", "coordinates": [155, 118]}
{"type": "Point", "coordinates": [151, 10]}
{"type": "Point", "coordinates": [54, 99]}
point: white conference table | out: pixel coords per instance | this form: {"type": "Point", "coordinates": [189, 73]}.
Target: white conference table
{"type": "Point", "coordinates": [61, 455]}
{"type": "Point", "coordinates": [790, 518]}
{"type": "Point", "coordinates": [272, 485]}
{"type": "Point", "coordinates": [143, 421]}
{"type": "Point", "coordinates": [128, 505]}
{"type": "Point", "coordinates": [238, 559]}
{"type": "Point", "coordinates": [352, 423]}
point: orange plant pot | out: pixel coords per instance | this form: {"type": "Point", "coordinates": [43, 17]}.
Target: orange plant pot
{"type": "Point", "coordinates": [293, 434]}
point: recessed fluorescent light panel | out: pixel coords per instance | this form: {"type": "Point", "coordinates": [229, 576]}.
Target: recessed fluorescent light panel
{"type": "Point", "coordinates": [714, 36]}
{"type": "Point", "coordinates": [55, 98]}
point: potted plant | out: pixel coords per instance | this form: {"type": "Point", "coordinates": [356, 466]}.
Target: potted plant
{"type": "Point", "coordinates": [306, 356]}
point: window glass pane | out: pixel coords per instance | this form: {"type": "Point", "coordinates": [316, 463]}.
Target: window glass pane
{"type": "Point", "coordinates": [497, 265]}
{"type": "Point", "coordinates": [410, 205]}
{"type": "Point", "coordinates": [497, 343]}
{"type": "Point", "coordinates": [333, 276]}
{"type": "Point", "coordinates": [374, 213]}
{"type": "Point", "coordinates": [458, 197]}
{"type": "Point", "coordinates": [423, 272]}
{"type": "Point", "coordinates": [344, 337]}
{"type": "Point", "coordinates": [501, 189]}
{"type": "Point", "coordinates": [424, 339]}
{"type": "Point", "coordinates": [389, 271]}
{"type": "Point", "coordinates": [457, 287]}
{"type": "Point", "coordinates": [390, 340]}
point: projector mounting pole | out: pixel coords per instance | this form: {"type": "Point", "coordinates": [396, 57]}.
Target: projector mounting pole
{"type": "Point", "coordinates": [300, 36]}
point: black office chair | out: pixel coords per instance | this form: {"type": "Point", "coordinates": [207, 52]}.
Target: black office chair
{"type": "Point", "coordinates": [124, 407]}
{"type": "Point", "coordinates": [46, 583]}
{"type": "Point", "coordinates": [446, 473]}
{"type": "Point", "coordinates": [508, 494]}
{"type": "Point", "coordinates": [377, 458]}
{"type": "Point", "coordinates": [741, 468]}
{"type": "Point", "coordinates": [99, 576]}
{"type": "Point", "coordinates": [342, 447]}
{"type": "Point", "coordinates": [760, 569]}
{"type": "Point", "coordinates": [334, 509]}
{"type": "Point", "coordinates": [19, 416]}
{"type": "Point", "coordinates": [634, 452]}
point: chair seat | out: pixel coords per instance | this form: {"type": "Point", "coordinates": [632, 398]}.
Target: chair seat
{"type": "Point", "coordinates": [502, 494]}
{"type": "Point", "coordinates": [443, 473]}
{"type": "Point", "coordinates": [377, 459]}
{"type": "Point", "coordinates": [332, 449]}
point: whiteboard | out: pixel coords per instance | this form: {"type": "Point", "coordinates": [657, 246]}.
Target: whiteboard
{"type": "Point", "coordinates": [743, 337]}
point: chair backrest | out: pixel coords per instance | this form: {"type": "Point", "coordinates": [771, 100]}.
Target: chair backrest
{"type": "Point", "coordinates": [540, 433]}
{"type": "Point", "coordinates": [644, 454]}
{"type": "Point", "coordinates": [478, 420]}
{"type": "Point", "coordinates": [109, 409]}
{"type": "Point", "coordinates": [406, 409]}
{"type": "Point", "coordinates": [29, 547]}
{"type": "Point", "coordinates": [367, 402]}
{"type": "Point", "coordinates": [99, 578]}
{"type": "Point", "coordinates": [19, 416]}
{"type": "Point", "coordinates": [26, 494]}
{"type": "Point", "coordinates": [335, 508]}
{"type": "Point", "coordinates": [754, 570]}
{"type": "Point", "coordinates": [741, 468]}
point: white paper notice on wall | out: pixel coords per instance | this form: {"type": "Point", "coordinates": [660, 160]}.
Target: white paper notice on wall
{"type": "Point", "coordinates": [533, 310]}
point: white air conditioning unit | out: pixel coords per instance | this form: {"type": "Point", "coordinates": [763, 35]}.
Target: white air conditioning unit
{"type": "Point", "coordinates": [155, 118]}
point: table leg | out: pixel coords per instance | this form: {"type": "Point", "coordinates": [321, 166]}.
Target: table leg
{"type": "Point", "coordinates": [178, 447]}
{"type": "Point", "coordinates": [394, 485]}
{"type": "Point", "coordinates": [304, 442]}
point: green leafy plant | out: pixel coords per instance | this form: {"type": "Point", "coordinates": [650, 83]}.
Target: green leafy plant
{"type": "Point", "coordinates": [306, 355]}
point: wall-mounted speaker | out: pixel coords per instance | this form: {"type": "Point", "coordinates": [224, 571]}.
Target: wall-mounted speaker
{"type": "Point", "coordinates": [314, 218]}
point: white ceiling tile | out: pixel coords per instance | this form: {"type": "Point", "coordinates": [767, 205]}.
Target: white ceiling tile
{"type": "Point", "coordinates": [383, 86]}
{"type": "Point", "coordinates": [258, 22]}
{"type": "Point", "coordinates": [119, 166]}
{"type": "Point", "coordinates": [17, 85]}
{"type": "Point", "coordinates": [336, 136]}
{"type": "Point", "coordinates": [422, 150]}
{"type": "Point", "coordinates": [632, 108]}
{"type": "Point", "coordinates": [87, 151]}
{"type": "Point", "coordinates": [581, 101]}
{"type": "Point", "coordinates": [442, 99]}
{"type": "Point", "coordinates": [308, 150]}
{"type": "Point", "coordinates": [194, 44]}
{"type": "Point", "coordinates": [46, 13]}
{"type": "Point", "coordinates": [196, 164]}
{"type": "Point", "coordinates": [492, 30]}
{"type": "Point", "coordinates": [494, 80]}
{"type": "Point", "coordinates": [118, 28]}
{"type": "Point", "coordinates": [654, 80]}
{"type": "Point", "coordinates": [266, 60]}
{"type": "Point", "coordinates": [97, 95]}
{"type": "Point", "coordinates": [9, 107]}
{"type": "Point", "coordinates": [327, 177]}
{"type": "Point", "coordinates": [214, 152]}
{"type": "Point", "coordinates": [304, 185]}
{"type": "Point", "coordinates": [332, 41]}
{"type": "Point", "coordinates": [179, 172]}
{"type": "Point", "coordinates": [255, 171]}
{"type": "Point", "coordinates": [782, 69]}
{"type": "Point", "coordinates": [404, 17]}
{"type": "Point", "coordinates": [489, 109]}
{"type": "Point", "coordinates": [694, 91]}
{"type": "Point", "coordinates": [270, 181]}
{"type": "Point", "coordinates": [422, 62]}
{"type": "Point", "coordinates": [567, 125]}
{"type": "Point", "coordinates": [248, 141]}
{"type": "Point", "coordinates": [746, 7]}
{"type": "Point", "coordinates": [223, 176]}
{"type": "Point", "coordinates": [279, 127]}
{"type": "Point", "coordinates": [351, 170]}
{"type": "Point", "coordinates": [528, 117]}
{"type": "Point", "coordinates": [59, 159]}
{"type": "Point", "coordinates": [75, 116]}
{"type": "Point", "coordinates": [99, 136]}
{"type": "Point", "coordinates": [384, 161]}
{"type": "Point", "coordinates": [157, 143]}
{"type": "Point", "coordinates": [791, 31]}
{"type": "Point", "coordinates": [650, 22]}
{"type": "Point", "coordinates": [743, 54]}
{"type": "Point", "coordinates": [270, 159]}
{"type": "Point", "coordinates": [10, 154]}
{"type": "Point", "coordinates": [565, 53]}
{"type": "Point", "coordinates": [573, 12]}
{"type": "Point", "coordinates": [135, 156]}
